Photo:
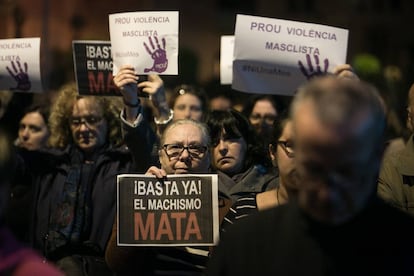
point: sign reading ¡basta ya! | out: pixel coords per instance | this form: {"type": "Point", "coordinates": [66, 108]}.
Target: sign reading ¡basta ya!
{"type": "Point", "coordinates": [181, 210]}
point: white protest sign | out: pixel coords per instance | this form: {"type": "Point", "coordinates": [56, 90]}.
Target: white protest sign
{"type": "Point", "coordinates": [146, 40]}
{"type": "Point", "coordinates": [20, 65]}
{"type": "Point", "coordinates": [273, 56]}
{"type": "Point", "coordinates": [226, 59]}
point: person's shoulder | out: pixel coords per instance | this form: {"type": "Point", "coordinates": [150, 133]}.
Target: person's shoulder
{"type": "Point", "coordinates": [258, 224]}
{"type": "Point", "coordinates": [19, 260]}
{"type": "Point", "coordinates": [394, 217]}
{"type": "Point", "coordinates": [36, 267]}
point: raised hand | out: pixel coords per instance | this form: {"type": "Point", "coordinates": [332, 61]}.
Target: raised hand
{"type": "Point", "coordinates": [126, 80]}
{"type": "Point", "coordinates": [158, 54]}
{"type": "Point", "coordinates": [154, 87]}
{"type": "Point", "coordinates": [20, 75]}
{"type": "Point", "coordinates": [312, 72]}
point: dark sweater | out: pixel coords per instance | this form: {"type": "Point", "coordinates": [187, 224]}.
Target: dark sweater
{"type": "Point", "coordinates": [284, 241]}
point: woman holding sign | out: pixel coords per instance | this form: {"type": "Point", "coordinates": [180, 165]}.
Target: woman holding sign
{"type": "Point", "coordinates": [184, 150]}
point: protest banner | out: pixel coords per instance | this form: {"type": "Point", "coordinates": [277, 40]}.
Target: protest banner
{"type": "Point", "coordinates": [226, 59]}
{"type": "Point", "coordinates": [20, 65]}
{"type": "Point", "coordinates": [273, 56]}
{"type": "Point", "coordinates": [93, 68]}
{"type": "Point", "coordinates": [181, 210]}
{"type": "Point", "coordinates": [146, 40]}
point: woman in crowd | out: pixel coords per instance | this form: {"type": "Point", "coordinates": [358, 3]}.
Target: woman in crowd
{"type": "Point", "coordinates": [282, 153]}
{"type": "Point", "coordinates": [33, 128]}
{"type": "Point", "coordinates": [236, 156]}
{"type": "Point", "coordinates": [261, 110]}
{"type": "Point", "coordinates": [16, 258]}
{"type": "Point", "coordinates": [73, 189]}
{"type": "Point", "coordinates": [184, 150]}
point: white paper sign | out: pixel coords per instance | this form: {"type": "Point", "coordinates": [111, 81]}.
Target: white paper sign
{"type": "Point", "coordinates": [273, 56]}
{"type": "Point", "coordinates": [146, 40]}
{"type": "Point", "coordinates": [20, 65]}
{"type": "Point", "coordinates": [226, 59]}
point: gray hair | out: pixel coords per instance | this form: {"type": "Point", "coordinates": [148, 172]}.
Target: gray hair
{"type": "Point", "coordinates": [338, 101]}
{"type": "Point", "coordinates": [201, 126]}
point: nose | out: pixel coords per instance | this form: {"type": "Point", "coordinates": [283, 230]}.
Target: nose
{"type": "Point", "coordinates": [25, 133]}
{"type": "Point", "coordinates": [83, 127]}
{"type": "Point", "coordinates": [187, 113]}
{"type": "Point", "coordinates": [222, 147]}
{"type": "Point", "coordinates": [185, 155]}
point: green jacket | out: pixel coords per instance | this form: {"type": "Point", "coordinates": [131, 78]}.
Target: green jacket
{"type": "Point", "coordinates": [396, 180]}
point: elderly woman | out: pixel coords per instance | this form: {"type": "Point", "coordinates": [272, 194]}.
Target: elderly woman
{"type": "Point", "coordinates": [74, 184]}
{"type": "Point", "coordinates": [184, 150]}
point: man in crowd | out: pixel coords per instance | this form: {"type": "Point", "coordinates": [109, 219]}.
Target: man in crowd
{"type": "Point", "coordinates": [335, 225]}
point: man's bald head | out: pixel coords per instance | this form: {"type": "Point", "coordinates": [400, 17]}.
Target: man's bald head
{"type": "Point", "coordinates": [338, 128]}
{"type": "Point", "coordinates": [339, 103]}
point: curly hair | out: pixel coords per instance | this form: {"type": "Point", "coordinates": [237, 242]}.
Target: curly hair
{"type": "Point", "coordinates": [62, 111]}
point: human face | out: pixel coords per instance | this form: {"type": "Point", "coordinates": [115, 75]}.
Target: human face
{"type": "Point", "coordinates": [285, 162]}
{"type": "Point", "coordinates": [229, 154]}
{"type": "Point", "coordinates": [89, 127]}
{"type": "Point", "coordinates": [185, 135]}
{"type": "Point", "coordinates": [188, 106]}
{"type": "Point", "coordinates": [337, 165]}
{"type": "Point", "coordinates": [33, 131]}
{"type": "Point", "coordinates": [262, 117]}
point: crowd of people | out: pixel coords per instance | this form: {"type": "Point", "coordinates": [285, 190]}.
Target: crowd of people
{"type": "Point", "coordinates": [303, 188]}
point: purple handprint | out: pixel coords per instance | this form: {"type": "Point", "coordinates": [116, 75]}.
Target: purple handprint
{"type": "Point", "coordinates": [20, 75]}
{"type": "Point", "coordinates": [312, 72]}
{"type": "Point", "coordinates": [158, 55]}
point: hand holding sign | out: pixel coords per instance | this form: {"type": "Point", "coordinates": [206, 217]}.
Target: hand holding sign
{"type": "Point", "coordinates": [20, 75]}
{"type": "Point", "coordinates": [313, 72]}
{"type": "Point", "coordinates": [126, 80]}
{"type": "Point", "coordinates": [159, 55]}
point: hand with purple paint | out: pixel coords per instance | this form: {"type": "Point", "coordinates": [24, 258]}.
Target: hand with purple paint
{"type": "Point", "coordinates": [313, 71]}
{"type": "Point", "coordinates": [20, 75]}
{"type": "Point", "coordinates": [158, 54]}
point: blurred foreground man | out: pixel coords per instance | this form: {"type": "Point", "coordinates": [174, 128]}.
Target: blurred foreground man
{"type": "Point", "coordinates": [336, 225]}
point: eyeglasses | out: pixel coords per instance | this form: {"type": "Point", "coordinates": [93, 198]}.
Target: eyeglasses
{"type": "Point", "coordinates": [287, 146]}
{"type": "Point", "coordinates": [90, 121]}
{"type": "Point", "coordinates": [173, 151]}
{"type": "Point", "coordinates": [267, 118]}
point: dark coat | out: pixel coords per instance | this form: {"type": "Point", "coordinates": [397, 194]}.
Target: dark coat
{"type": "Point", "coordinates": [50, 169]}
